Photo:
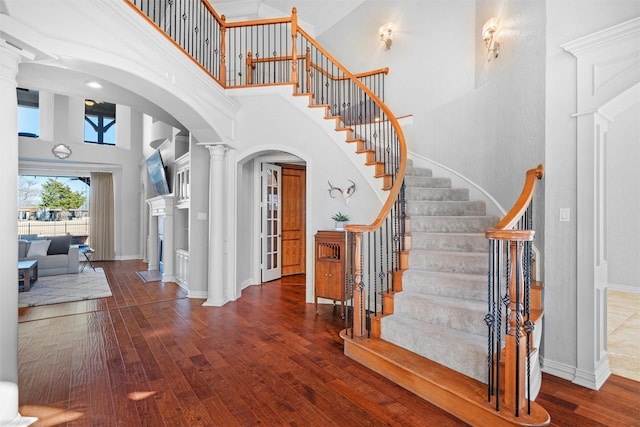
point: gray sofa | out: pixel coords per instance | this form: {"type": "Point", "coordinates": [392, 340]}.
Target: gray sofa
{"type": "Point", "coordinates": [61, 257]}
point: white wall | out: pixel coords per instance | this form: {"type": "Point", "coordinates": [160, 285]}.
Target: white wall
{"type": "Point", "coordinates": [623, 204]}
{"type": "Point", "coordinates": [484, 120]}
{"type": "Point", "coordinates": [271, 123]}
{"type": "Point", "coordinates": [566, 21]}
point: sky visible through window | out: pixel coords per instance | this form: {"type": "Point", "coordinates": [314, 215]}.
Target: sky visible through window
{"type": "Point", "coordinates": [28, 120]}
{"type": "Point", "coordinates": [30, 187]}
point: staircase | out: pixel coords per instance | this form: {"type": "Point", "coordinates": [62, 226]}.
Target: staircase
{"type": "Point", "coordinates": [429, 303]}
{"type": "Point", "coordinates": [440, 312]}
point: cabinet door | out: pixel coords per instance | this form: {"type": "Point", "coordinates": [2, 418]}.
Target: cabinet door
{"type": "Point", "coordinates": [329, 281]}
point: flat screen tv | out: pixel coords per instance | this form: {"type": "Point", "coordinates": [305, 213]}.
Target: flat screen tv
{"type": "Point", "coordinates": [157, 175]}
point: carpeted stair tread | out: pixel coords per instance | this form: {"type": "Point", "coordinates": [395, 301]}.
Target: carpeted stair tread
{"type": "Point", "coordinates": [466, 286]}
{"type": "Point", "coordinates": [467, 242]}
{"type": "Point", "coordinates": [455, 313]}
{"type": "Point", "coordinates": [453, 262]}
{"type": "Point", "coordinates": [452, 224]}
{"type": "Point", "coordinates": [461, 351]}
{"type": "Point", "coordinates": [441, 208]}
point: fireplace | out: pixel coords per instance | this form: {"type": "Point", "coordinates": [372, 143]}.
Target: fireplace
{"type": "Point", "coordinates": [160, 238]}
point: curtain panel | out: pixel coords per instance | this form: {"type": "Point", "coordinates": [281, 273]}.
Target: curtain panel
{"type": "Point", "coordinates": [101, 216]}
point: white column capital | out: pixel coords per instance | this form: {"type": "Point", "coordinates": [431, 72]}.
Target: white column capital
{"type": "Point", "coordinates": [217, 149]}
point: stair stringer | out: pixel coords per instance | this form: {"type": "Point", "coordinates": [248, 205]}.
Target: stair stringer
{"type": "Point", "coordinates": [316, 115]}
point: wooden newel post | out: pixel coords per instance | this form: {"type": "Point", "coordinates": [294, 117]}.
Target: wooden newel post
{"type": "Point", "coordinates": [516, 338]}
{"type": "Point", "coordinates": [223, 51]}
{"type": "Point", "coordinates": [294, 50]}
{"type": "Point", "coordinates": [359, 294]}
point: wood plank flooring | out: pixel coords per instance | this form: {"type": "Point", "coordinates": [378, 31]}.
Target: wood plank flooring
{"type": "Point", "coordinates": [148, 356]}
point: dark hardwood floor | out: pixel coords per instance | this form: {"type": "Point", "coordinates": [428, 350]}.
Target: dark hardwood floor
{"type": "Point", "coordinates": [150, 356]}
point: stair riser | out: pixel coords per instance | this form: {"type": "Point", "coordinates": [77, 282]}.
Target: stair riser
{"type": "Point", "coordinates": [437, 194]}
{"type": "Point", "coordinates": [448, 285]}
{"type": "Point", "coordinates": [451, 262]}
{"type": "Point", "coordinates": [451, 316]}
{"type": "Point", "coordinates": [427, 182]}
{"type": "Point", "coordinates": [413, 171]}
{"type": "Point", "coordinates": [457, 208]}
{"type": "Point", "coordinates": [449, 242]}
{"type": "Point", "coordinates": [458, 354]}
{"type": "Point", "coordinates": [444, 224]}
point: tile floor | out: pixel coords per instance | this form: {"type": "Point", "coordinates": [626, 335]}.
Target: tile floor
{"type": "Point", "coordinates": [623, 333]}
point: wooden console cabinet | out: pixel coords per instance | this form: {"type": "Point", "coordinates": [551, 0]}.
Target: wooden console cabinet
{"type": "Point", "coordinates": [330, 256]}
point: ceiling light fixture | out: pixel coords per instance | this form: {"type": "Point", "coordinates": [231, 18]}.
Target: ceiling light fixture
{"type": "Point", "coordinates": [385, 35]}
{"type": "Point", "coordinates": [94, 85]}
{"type": "Point", "coordinates": [61, 151]}
{"type": "Point", "coordinates": [489, 37]}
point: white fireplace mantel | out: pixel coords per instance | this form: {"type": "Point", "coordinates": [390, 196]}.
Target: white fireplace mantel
{"type": "Point", "coordinates": [161, 211]}
{"type": "Point", "coordinates": [161, 205]}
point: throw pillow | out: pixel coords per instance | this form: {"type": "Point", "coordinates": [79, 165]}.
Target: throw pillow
{"type": "Point", "coordinates": [38, 248]}
{"type": "Point", "coordinates": [59, 245]}
{"type": "Point", "coordinates": [23, 248]}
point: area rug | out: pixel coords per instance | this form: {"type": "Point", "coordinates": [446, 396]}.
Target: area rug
{"type": "Point", "coordinates": [150, 275]}
{"type": "Point", "coordinates": [65, 288]}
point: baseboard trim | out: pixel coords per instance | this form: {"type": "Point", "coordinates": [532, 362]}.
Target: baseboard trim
{"type": "Point", "coordinates": [593, 380]}
{"type": "Point", "coordinates": [197, 294]}
{"type": "Point", "coordinates": [557, 369]}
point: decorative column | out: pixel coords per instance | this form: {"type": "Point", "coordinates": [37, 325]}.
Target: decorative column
{"type": "Point", "coordinates": [215, 276]}
{"type": "Point", "coordinates": [9, 262]}
{"type": "Point", "coordinates": [592, 364]}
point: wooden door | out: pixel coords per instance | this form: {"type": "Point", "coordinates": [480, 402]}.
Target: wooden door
{"type": "Point", "coordinates": [293, 219]}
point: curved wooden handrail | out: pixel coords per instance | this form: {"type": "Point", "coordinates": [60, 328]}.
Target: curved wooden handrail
{"type": "Point", "coordinates": [358, 75]}
{"type": "Point", "coordinates": [512, 235]}
{"type": "Point", "coordinates": [523, 202]}
{"type": "Point", "coordinates": [399, 178]}
{"type": "Point", "coordinates": [176, 44]}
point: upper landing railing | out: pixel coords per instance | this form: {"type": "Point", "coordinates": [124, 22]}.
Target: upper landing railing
{"type": "Point", "coordinates": [279, 52]}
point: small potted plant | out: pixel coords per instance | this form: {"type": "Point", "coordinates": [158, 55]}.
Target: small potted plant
{"type": "Point", "coordinates": [340, 219]}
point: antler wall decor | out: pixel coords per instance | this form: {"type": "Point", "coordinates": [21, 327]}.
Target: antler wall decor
{"type": "Point", "coordinates": [346, 193]}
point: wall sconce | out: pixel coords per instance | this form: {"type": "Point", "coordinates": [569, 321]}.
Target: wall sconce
{"type": "Point", "coordinates": [488, 36]}
{"type": "Point", "coordinates": [385, 35]}
{"type": "Point", "coordinates": [61, 151]}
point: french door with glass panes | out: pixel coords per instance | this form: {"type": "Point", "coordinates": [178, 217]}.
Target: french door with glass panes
{"type": "Point", "coordinates": [271, 232]}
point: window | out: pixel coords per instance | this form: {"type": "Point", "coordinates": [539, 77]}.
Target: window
{"type": "Point", "coordinates": [53, 205]}
{"type": "Point", "coordinates": [28, 112]}
{"type": "Point", "coordinates": [99, 122]}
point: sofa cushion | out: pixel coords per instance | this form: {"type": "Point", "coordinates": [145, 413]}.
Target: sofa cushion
{"type": "Point", "coordinates": [59, 245]}
{"type": "Point", "coordinates": [23, 248]}
{"type": "Point", "coordinates": [38, 248]}
{"type": "Point", "coordinates": [53, 262]}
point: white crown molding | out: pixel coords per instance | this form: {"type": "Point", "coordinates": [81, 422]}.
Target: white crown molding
{"type": "Point", "coordinates": [604, 38]}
